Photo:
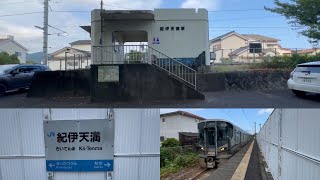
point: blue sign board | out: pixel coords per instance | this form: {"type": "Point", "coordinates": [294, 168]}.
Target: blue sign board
{"type": "Point", "coordinates": [79, 165]}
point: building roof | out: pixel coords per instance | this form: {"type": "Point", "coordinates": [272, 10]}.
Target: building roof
{"type": "Point", "coordinates": [312, 50]}
{"type": "Point", "coordinates": [246, 37]}
{"type": "Point", "coordinates": [260, 37]}
{"type": "Point", "coordinates": [184, 113]}
{"type": "Point", "coordinates": [79, 42]}
{"type": "Point", "coordinates": [189, 134]}
{"type": "Point", "coordinates": [18, 44]}
{"type": "Point", "coordinates": [72, 49]}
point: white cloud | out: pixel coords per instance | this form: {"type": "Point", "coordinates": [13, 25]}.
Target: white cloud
{"type": "Point", "coordinates": [22, 27]}
{"type": "Point", "coordinates": [265, 111]}
{"type": "Point", "coordinates": [208, 4]}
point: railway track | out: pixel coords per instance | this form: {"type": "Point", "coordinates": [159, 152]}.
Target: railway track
{"type": "Point", "coordinates": [199, 174]}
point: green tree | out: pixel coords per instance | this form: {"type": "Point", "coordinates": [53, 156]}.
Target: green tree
{"type": "Point", "coordinates": [170, 142]}
{"type": "Point", "coordinates": [303, 15]}
{"type": "Point", "coordinates": [135, 55]}
{"type": "Point", "coordinates": [5, 58]}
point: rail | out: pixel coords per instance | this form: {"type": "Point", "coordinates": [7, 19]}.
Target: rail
{"type": "Point", "coordinates": [132, 54]}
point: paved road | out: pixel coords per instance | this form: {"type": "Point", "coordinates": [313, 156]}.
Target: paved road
{"type": "Point", "coordinates": [222, 99]}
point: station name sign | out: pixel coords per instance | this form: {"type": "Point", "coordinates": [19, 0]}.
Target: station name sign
{"type": "Point", "coordinates": [84, 145]}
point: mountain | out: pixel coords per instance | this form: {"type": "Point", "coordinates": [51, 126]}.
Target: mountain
{"type": "Point", "coordinates": [36, 57]}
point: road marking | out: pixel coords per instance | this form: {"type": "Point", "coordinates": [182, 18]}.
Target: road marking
{"type": "Point", "coordinates": [241, 170]}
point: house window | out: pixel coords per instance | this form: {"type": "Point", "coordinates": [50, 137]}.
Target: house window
{"type": "Point", "coordinates": [18, 54]}
{"type": "Point", "coordinates": [73, 63]}
{"type": "Point", "coordinates": [255, 47]}
{"type": "Point", "coordinates": [161, 138]}
{"type": "Point", "coordinates": [161, 28]}
{"type": "Point", "coordinates": [163, 120]}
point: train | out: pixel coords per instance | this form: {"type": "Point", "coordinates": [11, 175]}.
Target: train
{"type": "Point", "coordinates": [219, 138]}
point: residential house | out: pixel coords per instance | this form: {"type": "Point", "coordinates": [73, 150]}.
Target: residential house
{"type": "Point", "coordinates": [171, 124]}
{"type": "Point", "coordinates": [9, 45]}
{"type": "Point", "coordinates": [78, 56]}
{"type": "Point", "coordinates": [312, 51]}
{"type": "Point", "coordinates": [245, 47]}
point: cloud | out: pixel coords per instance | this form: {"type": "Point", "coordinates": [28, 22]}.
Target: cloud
{"type": "Point", "coordinates": [24, 32]}
{"type": "Point", "coordinates": [265, 111]}
{"type": "Point", "coordinates": [208, 4]}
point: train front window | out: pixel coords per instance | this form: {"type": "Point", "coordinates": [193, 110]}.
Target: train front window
{"type": "Point", "coordinates": [210, 137]}
{"type": "Point", "coordinates": [225, 131]}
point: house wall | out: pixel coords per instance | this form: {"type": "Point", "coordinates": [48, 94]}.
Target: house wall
{"type": "Point", "coordinates": [189, 43]}
{"type": "Point", "coordinates": [11, 48]}
{"type": "Point", "coordinates": [232, 42]}
{"type": "Point", "coordinates": [177, 123]}
{"type": "Point", "coordinates": [60, 64]}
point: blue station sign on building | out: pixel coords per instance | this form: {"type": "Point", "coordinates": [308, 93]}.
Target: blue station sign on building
{"type": "Point", "coordinates": [85, 145]}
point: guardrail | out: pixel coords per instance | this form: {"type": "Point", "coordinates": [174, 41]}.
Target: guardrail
{"type": "Point", "coordinates": [128, 54]}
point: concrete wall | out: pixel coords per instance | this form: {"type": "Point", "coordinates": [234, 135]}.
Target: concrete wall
{"type": "Point", "coordinates": [140, 82]}
{"type": "Point", "coordinates": [289, 142]}
{"type": "Point", "coordinates": [174, 124]}
{"type": "Point", "coordinates": [11, 48]}
{"type": "Point", "coordinates": [242, 80]}
{"type": "Point", "coordinates": [60, 84]}
{"type": "Point", "coordinates": [189, 43]}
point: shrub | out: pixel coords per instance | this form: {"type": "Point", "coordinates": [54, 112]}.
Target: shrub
{"type": "Point", "coordinates": [170, 142]}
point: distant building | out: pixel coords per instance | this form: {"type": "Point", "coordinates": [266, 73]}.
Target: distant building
{"type": "Point", "coordinates": [312, 51]}
{"type": "Point", "coordinates": [243, 47]}
{"type": "Point", "coordinates": [171, 124]}
{"type": "Point", "coordinates": [9, 45]}
{"type": "Point", "coordinates": [78, 56]}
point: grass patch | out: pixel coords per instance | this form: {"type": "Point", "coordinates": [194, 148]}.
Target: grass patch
{"type": "Point", "coordinates": [177, 164]}
{"type": "Point", "coordinates": [174, 158]}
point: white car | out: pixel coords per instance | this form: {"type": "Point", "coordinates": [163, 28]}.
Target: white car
{"type": "Point", "coordinates": [305, 78]}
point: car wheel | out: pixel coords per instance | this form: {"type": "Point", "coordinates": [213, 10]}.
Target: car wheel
{"type": "Point", "coordinates": [299, 93]}
{"type": "Point", "coordinates": [3, 89]}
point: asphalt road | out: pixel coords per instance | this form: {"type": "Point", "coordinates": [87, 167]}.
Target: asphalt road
{"type": "Point", "coordinates": [223, 99]}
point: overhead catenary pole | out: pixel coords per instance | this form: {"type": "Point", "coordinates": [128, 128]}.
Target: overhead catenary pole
{"type": "Point", "coordinates": [259, 127]}
{"type": "Point", "coordinates": [255, 124]}
{"type": "Point", "coordinates": [45, 33]}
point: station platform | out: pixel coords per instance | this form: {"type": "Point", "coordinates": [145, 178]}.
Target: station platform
{"type": "Point", "coordinates": [244, 165]}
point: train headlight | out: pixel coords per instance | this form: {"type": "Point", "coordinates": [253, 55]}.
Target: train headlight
{"type": "Point", "coordinates": [222, 149]}
{"type": "Point", "coordinates": [202, 149]}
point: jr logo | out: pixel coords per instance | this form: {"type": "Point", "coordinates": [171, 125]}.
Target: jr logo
{"type": "Point", "coordinates": [51, 134]}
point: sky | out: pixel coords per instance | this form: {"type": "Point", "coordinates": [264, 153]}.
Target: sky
{"type": "Point", "coordinates": [242, 16]}
{"type": "Point", "coordinates": [244, 118]}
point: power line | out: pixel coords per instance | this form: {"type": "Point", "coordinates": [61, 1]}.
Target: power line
{"type": "Point", "coordinates": [233, 10]}
{"type": "Point", "coordinates": [19, 14]}
{"type": "Point", "coordinates": [247, 27]}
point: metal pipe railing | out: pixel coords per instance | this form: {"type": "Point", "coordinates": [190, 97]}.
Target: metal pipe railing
{"type": "Point", "coordinates": [121, 54]}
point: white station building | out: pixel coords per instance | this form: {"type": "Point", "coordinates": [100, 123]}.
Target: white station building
{"type": "Point", "coordinates": [177, 33]}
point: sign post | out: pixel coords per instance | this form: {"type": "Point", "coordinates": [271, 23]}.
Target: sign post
{"type": "Point", "coordinates": [85, 145]}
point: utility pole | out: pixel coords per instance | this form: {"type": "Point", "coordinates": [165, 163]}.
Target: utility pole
{"type": "Point", "coordinates": [255, 127]}
{"type": "Point", "coordinates": [259, 127]}
{"type": "Point", "coordinates": [45, 32]}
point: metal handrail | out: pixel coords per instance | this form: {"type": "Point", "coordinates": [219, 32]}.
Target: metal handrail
{"type": "Point", "coordinates": [145, 54]}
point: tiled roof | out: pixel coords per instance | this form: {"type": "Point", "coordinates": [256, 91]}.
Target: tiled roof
{"type": "Point", "coordinates": [260, 37]}
{"type": "Point", "coordinates": [183, 113]}
{"type": "Point", "coordinates": [81, 42]}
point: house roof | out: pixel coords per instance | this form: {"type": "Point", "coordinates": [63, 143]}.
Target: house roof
{"type": "Point", "coordinates": [184, 113]}
{"type": "Point", "coordinates": [65, 49]}
{"type": "Point", "coordinates": [189, 134]}
{"type": "Point", "coordinates": [307, 50]}
{"type": "Point", "coordinates": [79, 42]}
{"type": "Point", "coordinates": [246, 37]}
{"type": "Point", "coordinates": [260, 37]}
{"type": "Point", "coordinates": [3, 40]}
